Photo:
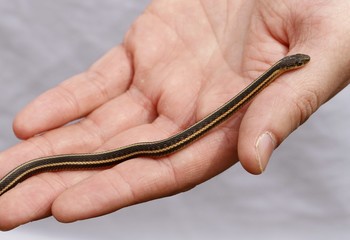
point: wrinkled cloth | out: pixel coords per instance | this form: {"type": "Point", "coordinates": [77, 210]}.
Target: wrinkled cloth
{"type": "Point", "coordinates": [304, 194]}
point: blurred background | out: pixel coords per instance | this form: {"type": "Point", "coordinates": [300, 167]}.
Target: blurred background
{"type": "Point", "coordinates": [304, 194]}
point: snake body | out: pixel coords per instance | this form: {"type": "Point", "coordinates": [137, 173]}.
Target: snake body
{"type": "Point", "coordinates": [156, 148]}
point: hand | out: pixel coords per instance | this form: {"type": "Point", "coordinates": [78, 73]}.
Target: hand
{"type": "Point", "coordinates": [179, 61]}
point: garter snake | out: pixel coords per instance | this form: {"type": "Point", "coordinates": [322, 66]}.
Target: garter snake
{"type": "Point", "coordinates": [156, 148]}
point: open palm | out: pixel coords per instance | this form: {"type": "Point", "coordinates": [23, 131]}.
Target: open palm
{"type": "Point", "coordinates": [179, 61]}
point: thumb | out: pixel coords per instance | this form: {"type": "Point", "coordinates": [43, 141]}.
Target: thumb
{"type": "Point", "coordinates": [283, 106]}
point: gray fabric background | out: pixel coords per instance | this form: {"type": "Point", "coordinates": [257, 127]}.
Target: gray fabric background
{"type": "Point", "coordinates": [303, 195]}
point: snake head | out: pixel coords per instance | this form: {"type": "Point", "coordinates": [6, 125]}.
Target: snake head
{"type": "Point", "coordinates": [293, 61]}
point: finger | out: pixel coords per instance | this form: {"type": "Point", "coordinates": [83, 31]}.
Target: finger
{"type": "Point", "coordinates": [88, 135]}
{"type": "Point", "coordinates": [23, 203]}
{"type": "Point", "coordinates": [142, 179]}
{"type": "Point", "coordinates": [283, 106]}
{"type": "Point", "coordinates": [77, 96]}
{"type": "Point", "coordinates": [85, 136]}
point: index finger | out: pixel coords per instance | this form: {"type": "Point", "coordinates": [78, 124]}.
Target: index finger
{"type": "Point", "coordinates": [74, 98]}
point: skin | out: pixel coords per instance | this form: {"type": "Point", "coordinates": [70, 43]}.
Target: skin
{"type": "Point", "coordinates": [179, 61]}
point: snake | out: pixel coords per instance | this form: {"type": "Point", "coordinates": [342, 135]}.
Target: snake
{"type": "Point", "coordinates": [155, 149]}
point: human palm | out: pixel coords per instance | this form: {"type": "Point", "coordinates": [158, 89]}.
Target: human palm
{"type": "Point", "coordinates": [179, 61]}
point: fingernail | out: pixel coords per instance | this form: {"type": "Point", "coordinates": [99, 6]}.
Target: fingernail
{"type": "Point", "coordinates": [264, 147]}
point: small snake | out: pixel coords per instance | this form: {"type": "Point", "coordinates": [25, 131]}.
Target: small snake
{"type": "Point", "coordinates": [156, 148]}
